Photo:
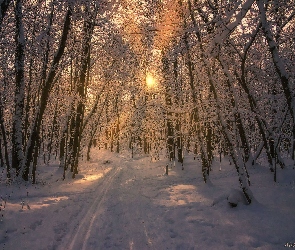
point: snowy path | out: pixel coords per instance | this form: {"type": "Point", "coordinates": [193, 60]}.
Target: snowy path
{"type": "Point", "coordinates": [121, 214]}
{"type": "Point", "coordinates": [125, 203]}
{"type": "Point", "coordinates": [80, 236]}
{"type": "Point", "coordinates": [128, 208]}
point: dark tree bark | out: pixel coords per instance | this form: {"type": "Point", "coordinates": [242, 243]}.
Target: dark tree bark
{"type": "Point", "coordinates": [95, 128]}
{"type": "Point", "coordinates": [252, 102]}
{"type": "Point", "coordinates": [285, 78]}
{"type": "Point", "coordinates": [5, 158]}
{"type": "Point", "coordinates": [169, 123]}
{"type": "Point", "coordinates": [4, 4]}
{"type": "Point", "coordinates": [179, 138]}
{"type": "Point", "coordinates": [81, 88]}
{"type": "Point", "coordinates": [237, 115]}
{"type": "Point", "coordinates": [1, 155]}
{"type": "Point", "coordinates": [195, 112]}
{"type": "Point", "coordinates": [238, 162]}
{"type": "Point", "coordinates": [45, 93]}
{"type": "Point", "coordinates": [17, 127]}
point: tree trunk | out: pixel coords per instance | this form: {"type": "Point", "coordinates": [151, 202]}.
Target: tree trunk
{"type": "Point", "coordinates": [4, 4]}
{"type": "Point", "coordinates": [17, 127]}
{"type": "Point", "coordinates": [5, 142]}
{"type": "Point", "coordinates": [235, 152]}
{"type": "Point", "coordinates": [285, 78]}
{"type": "Point", "coordinates": [81, 88]}
{"type": "Point", "coordinates": [45, 93]}
{"type": "Point", "coordinates": [94, 129]}
{"type": "Point", "coordinates": [52, 133]}
{"type": "Point", "coordinates": [1, 155]}
{"type": "Point", "coordinates": [169, 123]}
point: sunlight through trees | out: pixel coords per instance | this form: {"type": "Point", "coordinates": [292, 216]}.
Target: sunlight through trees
{"type": "Point", "coordinates": [151, 81]}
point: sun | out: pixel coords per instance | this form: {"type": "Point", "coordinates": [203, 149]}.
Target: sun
{"type": "Point", "coordinates": [150, 81]}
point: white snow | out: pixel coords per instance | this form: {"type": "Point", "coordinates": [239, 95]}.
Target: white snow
{"type": "Point", "coordinates": [121, 203]}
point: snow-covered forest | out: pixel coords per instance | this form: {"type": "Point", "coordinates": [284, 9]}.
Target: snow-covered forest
{"type": "Point", "coordinates": [192, 84]}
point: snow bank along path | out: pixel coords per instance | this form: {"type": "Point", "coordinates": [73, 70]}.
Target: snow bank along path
{"type": "Point", "coordinates": [121, 203]}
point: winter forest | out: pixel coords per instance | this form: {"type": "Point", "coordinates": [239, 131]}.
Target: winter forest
{"type": "Point", "coordinates": [175, 81]}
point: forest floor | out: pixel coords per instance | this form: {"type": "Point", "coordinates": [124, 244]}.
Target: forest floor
{"type": "Point", "coordinates": [117, 202]}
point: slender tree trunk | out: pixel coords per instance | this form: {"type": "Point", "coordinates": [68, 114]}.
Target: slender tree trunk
{"type": "Point", "coordinates": [95, 106]}
{"type": "Point", "coordinates": [45, 93]}
{"type": "Point", "coordinates": [17, 127]}
{"type": "Point", "coordinates": [1, 155]}
{"type": "Point", "coordinates": [235, 152]}
{"type": "Point", "coordinates": [4, 4]}
{"type": "Point", "coordinates": [35, 160]}
{"type": "Point", "coordinates": [29, 102]}
{"type": "Point", "coordinates": [285, 78]}
{"type": "Point", "coordinates": [118, 134]}
{"type": "Point", "coordinates": [169, 123]}
{"type": "Point", "coordinates": [95, 128]}
{"type": "Point", "coordinates": [238, 118]}
{"type": "Point", "coordinates": [196, 120]}
{"type": "Point", "coordinates": [52, 132]}
{"type": "Point", "coordinates": [5, 142]}
{"type": "Point", "coordinates": [81, 88]}
{"type": "Point", "coordinates": [70, 138]}
{"type": "Point", "coordinates": [293, 146]}
{"type": "Point", "coordinates": [65, 143]}
{"type": "Point", "coordinates": [179, 141]}
{"type": "Point", "coordinates": [261, 125]}
{"type": "Point", "coordinates": [209, 138]}
{"type": "Point", "coordinates": [179, 137]}
{"type": "Point", "coordinates": [27, 106]}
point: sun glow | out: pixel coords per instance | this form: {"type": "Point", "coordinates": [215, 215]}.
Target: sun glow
{"type": "Point", "coordinates": [150, 81]}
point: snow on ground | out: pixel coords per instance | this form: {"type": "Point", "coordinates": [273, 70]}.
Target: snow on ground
{"type": "Point", "coordinates": [121, 203]}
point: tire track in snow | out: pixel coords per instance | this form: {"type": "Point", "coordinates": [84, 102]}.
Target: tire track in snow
{"type": "Point", "coordinates": [136, 208]}
{"type": "Point", "coordinates": [81, 236]}
{"type": "Point", "coordinates": [131, 209]}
